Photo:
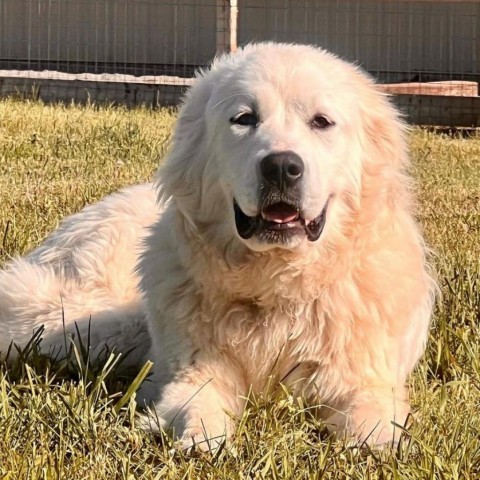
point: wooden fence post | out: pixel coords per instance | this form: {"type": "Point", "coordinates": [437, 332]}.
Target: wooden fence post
{"type": "Point", "coordinates": [227, 14]}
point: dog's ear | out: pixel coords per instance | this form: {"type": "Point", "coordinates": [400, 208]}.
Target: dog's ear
{"type": "Point", "coordinates": [386, 129]}
{"type": "Point", "coordinates": [386, 156]}
{"type": "Point", "coordinates": [178, 176]}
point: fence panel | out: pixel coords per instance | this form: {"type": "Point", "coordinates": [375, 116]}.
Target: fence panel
{"type": "Point", "coordinates": [147, 50]}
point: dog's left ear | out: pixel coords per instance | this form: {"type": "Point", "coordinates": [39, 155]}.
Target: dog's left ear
{"type": "Point", "coordinates": [385, 146]}
{"type": "Point", "coordinates": [386, 129]}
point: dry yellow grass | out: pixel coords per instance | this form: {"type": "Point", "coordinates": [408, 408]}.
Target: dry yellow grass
{"type": "Point", "coordinates": [54, 160]}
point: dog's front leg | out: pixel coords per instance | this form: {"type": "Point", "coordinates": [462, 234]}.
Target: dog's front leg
{"type": "Point", "coordinates": [195, 405]}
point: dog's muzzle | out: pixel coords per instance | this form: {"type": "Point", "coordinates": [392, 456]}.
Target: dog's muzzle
{"type": "Point", "coordinates": [280, 197]}
{"type": "Point", "coordinates": [278, 223]}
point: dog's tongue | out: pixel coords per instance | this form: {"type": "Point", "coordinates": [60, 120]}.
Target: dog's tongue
{"type": "Point", "coordinates": [280, 213]}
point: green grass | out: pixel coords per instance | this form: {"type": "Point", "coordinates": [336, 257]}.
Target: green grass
{"type": "Point", "coordinates": [59, 421]}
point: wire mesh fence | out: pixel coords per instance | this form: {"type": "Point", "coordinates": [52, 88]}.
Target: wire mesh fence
{"type": "Point", "coordinates": [148, 50]}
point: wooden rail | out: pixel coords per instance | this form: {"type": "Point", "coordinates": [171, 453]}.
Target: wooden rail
{"type": "Point", "coordinates": [420, 109]}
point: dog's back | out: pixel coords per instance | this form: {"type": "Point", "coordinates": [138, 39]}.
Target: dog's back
{"type": "Point", "coordinates": [82, 277]}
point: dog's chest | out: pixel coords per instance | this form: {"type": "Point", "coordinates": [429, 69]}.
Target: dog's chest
{"type": "Point", "coordinates": [284, 342]}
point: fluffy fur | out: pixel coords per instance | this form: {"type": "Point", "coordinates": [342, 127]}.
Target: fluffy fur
{"type": "Point", "coordinates": [341, 320]}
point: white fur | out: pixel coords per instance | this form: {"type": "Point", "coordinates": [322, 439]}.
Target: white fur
{"type": "Point", "coordinates": [83, 275]}
{"type": "Point", "coordinates": [342, 320]}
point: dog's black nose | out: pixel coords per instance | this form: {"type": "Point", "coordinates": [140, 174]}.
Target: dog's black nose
{"type": "Point", "coordinates": [282, 168]}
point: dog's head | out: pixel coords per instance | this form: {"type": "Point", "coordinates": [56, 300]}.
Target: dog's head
{"type": "Point", "coordinates": [276, 145]}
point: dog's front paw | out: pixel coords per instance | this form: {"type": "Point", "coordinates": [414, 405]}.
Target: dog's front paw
{"type": "Point", "coordinates": [370, 424]}
{"type": "Point", "coordinates": [203, 434]}
{"type": "Point", "coordinates": [150, 422]}
{"type": "Point", "coordinates": [207, 440]}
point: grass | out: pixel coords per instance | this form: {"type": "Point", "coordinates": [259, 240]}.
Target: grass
{"type": "Point", "coordinates": [64, 421]}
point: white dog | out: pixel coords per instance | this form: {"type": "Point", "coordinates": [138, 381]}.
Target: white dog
{"type": "Point", "coordinates": [286, 249]}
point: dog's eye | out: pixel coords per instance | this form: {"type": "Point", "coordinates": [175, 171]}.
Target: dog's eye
{"type": "Point", "coordinates": [245, 119]}
{"type": "Point", "coordinates": [321, 122]}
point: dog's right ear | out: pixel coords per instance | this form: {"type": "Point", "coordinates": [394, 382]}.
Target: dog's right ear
{"type": "Point", "coordinates": [178, 176]}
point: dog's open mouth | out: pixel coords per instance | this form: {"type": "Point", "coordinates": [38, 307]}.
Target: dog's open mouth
{"type": "Point", "coordinates": [278, 222]}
